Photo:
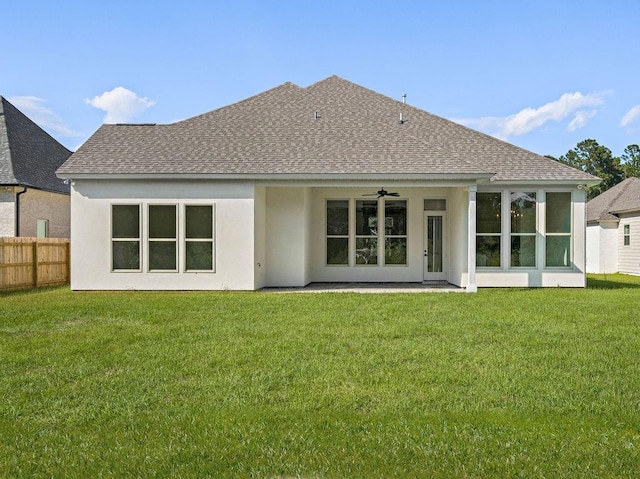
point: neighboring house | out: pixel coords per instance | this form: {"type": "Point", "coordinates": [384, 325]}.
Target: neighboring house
{"type": "Point", "coordinates": [613, 229]}
{"type": "Point", "coordinates": [328, 183]}
{"type": "Point", "coordinates": [33, 200]}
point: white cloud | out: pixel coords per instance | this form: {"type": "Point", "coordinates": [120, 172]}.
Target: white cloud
{"type": "Point", "coordinates": [121, 104]}
{"type": "Point", "coordinates": [580, 119]}
{"type": "Point", "coordinates": [530, 119]}
{"type": "Point", "coordinates": [33, 107]}
{"type": "Point", "coordinates": [630, 116]}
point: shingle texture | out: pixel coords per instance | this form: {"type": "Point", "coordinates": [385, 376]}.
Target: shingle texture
{"type": "Point", "coordinates": [625, 196]}
{"type": "Point", "coordinates": [276, 132]}
{"type": "Point", "coordinates": [28, 155]}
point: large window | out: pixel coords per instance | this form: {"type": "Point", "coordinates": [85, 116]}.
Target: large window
{"type": "Point", "coordinates": [367, 232]}
{"type": "Point", "coordinates": [338, 232]}
{"type": "Point", "coordinates": [558, 230]}
{"type": "Point", "coordinates": [125, 237]}
{"type": "Point", "coordinates": [198, 248]}
{"type": "Point", "coordinates": [523, 229]}
{"type": "Point", "coordinates": [488, 229]}
{"type": "Point", "coordinates": [163, 239]}
{"type": "Point", "coordinates": [379, 226]}
{"type": "Point", "coordinates": [395, 232]}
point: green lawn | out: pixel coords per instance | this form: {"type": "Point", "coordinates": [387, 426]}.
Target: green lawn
{"type": "Point", "coordinates": [502, 383]}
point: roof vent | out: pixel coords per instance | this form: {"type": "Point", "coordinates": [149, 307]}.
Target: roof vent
{"type": "Point", "coordinates": [401, 120]}
{"type": "Point", "coordinates": [404, 98]}
{"type": "Point", "coordinates": [316, 116]}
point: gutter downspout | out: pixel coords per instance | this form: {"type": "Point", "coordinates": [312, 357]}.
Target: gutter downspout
{"type": "Point", "coordinates": [18, 209]}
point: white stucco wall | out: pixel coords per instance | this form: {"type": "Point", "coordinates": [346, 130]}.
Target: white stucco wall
{"type": "Point", "coordinates": [7, 212]}
{"type": "Point", "coordinates": [235, 226]}
{"type": "Point", "coordinates": [602, 247]}
{"type": "Point", "coordinates": [288, 236]}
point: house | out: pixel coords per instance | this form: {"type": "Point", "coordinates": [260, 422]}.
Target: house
{"type": "Point", "coordinates": [613, 227]}
{"type": "Point", "coordinates": [33, 200]}
{"type": "Point", "coordinates": [328, 183]}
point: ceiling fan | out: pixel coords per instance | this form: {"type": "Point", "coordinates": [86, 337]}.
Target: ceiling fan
{"type": "Point", "coordinates": [382, 192]}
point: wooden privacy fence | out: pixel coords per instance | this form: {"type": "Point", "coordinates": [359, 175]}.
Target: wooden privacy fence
{"type": "Point", "coordinates": [33, 262]}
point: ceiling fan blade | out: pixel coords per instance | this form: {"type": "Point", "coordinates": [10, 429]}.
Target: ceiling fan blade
{"type": "Point", "coordinates": [393, 194]}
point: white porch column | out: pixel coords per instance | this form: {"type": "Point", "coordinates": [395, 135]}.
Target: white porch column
{"type": "Point", "coordinates": [471, 253]}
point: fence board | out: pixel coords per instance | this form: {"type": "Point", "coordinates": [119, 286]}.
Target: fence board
{"type": "Point", "coordinates": [33, 262]}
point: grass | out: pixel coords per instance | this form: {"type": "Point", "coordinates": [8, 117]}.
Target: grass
{"type": "Point", "coordinates": [502, 383]}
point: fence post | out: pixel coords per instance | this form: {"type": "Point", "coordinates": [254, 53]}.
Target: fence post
{"type": "Point", "coordinates": [69, 262]}
{"type": "Point", "coordinates": [35, 264]}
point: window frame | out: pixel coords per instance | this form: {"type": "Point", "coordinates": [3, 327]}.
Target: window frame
{"type": "Point", "coordinates": [174, 240]}
{"type": "Point", "coordinates": [139, 239]}
{"type": "Point", "coordinates": [184, 241]}
{"type": "Point", "coordinates": [626, 234]}
{"type": "Point", "coordinates": [327, 236]}
{"type": "Point", "coordinates": [548, 235]}
{"type": "Point", "coordinates": [404, 236]}
{"type": "Point", "coordinates": [375, 237]}
{"type": "Point", "coordinates": [533, 234]}
{"type": "Point", "coordinates": [498, 235]}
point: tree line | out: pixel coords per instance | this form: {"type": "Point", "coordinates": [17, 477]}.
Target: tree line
{"type": "Point", "coordinates": [591, 157]}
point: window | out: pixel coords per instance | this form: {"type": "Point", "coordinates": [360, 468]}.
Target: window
{"type": "Point", "coordinates": [125, 237]}
{"type": "Point", "coordinates": [488, 229]}
{"type": "Point", "coordinates": [523, 229]}
{"type": "Point", "coordinates": [42, 228]}
{"type": "Point", "coordinates": [627, 235]}
{"type": "Point", "coordinates": [558, 230]}
{"type": "Point", "coordinates": [198, 242]}
{"type": "Point", "coordinates": [366, 232]}
{"type": "Point", "coordinates": [395, 232]}
{"type": "Point", "coordinates": [162, 238]}
{"type": "Point", "coordinates": [338, 232]}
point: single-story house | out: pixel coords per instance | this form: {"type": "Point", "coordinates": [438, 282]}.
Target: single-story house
{"type": "Point", "coordinates": [328, 183]}
{"type": "Point", "coordinates": [613, 227]}
{"type": "Point", "coordinates": [33, 200]}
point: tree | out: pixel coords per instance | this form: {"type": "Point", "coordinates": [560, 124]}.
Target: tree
{"type": "Point", "coordinates": [596, 159]}
{"type": "Point", "coordinates": [631, 161]}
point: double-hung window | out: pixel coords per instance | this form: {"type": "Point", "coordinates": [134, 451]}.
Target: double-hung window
{"type": "Point", "coordinates": [395, 232]}
{"type": "Point", "coordinates": [125, 237]}
{"type": "Point", "coordinates": [338, 232]}
{"type": "Point", "coordinates": [198, 241]}
{"type": "Point", "coordinates": [523, 229]}
{"type": "Point", "coordinates": [627, 234]}
{"type": "Point", "coordinates": [163, 237]}
{"type": "Point", "coordinates": [558, 229]}
{"type": "Point", "coordinates": [366, 232]}
{"type": "Point", "coordinates": [488, 229]}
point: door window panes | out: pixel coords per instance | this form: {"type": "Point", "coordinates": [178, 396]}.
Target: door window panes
{"type": "Point", "coordinates": [558, 229]}
{"type": "Point", "coordinates": [523, 229]}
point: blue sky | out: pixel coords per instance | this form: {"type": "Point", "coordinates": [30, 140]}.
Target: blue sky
{"type": "Point", "coordinates": [543, 75]}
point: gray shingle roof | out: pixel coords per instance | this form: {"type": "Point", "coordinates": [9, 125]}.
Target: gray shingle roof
{"type": "Point", "coordinates": [357, 131]}
{"type": "Point", "coordinates": [28, 155]}
{"type": "Point", "coordinates": [625, 196]}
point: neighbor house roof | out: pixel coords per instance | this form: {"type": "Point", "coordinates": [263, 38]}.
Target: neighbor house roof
{"type": "Point", "coordinates": [333, 127]}
{"type": "Point", "coordinates": [28, 155]}
{"type": "Point", "coordinates": [623, 197]}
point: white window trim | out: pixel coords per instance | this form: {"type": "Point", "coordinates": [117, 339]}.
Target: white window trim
{"type": "Point", "coordinates": [184, 240]}
{"type": "Point", "coordinates": [150, 240]}
{"type": "Point", "coordinates": [139, 239]}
